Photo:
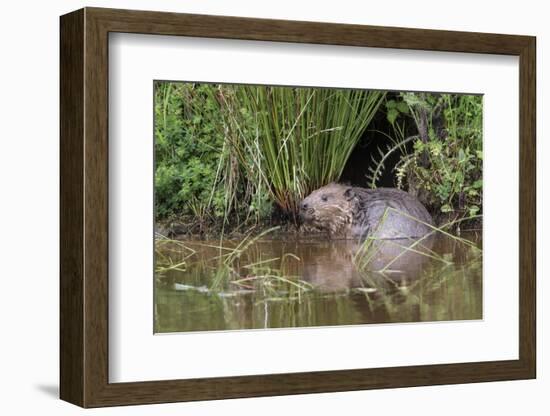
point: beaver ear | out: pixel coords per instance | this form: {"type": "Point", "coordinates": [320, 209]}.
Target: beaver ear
{"type": "Point", "coordinates": [349, 194]}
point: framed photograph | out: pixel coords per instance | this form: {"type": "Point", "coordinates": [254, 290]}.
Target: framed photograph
{"type": "Point", "coordinates": [255, 207]}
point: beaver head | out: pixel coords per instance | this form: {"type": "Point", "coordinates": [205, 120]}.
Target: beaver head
{"type": "Point", "coordinates": [329, 208]}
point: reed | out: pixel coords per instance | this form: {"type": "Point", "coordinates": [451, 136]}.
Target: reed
{"type": "Point", "coordinates": [171, 255]}
{"type": "Point", "coordinates": [300, 139]}
{"type": "Point", "coordinates": [369, 248]}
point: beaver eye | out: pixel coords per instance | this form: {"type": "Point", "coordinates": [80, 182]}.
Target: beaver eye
{"type": "Point", "coordinates": [324, 198]}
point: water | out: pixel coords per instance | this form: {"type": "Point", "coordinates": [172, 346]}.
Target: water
{"type": "Point", "coordinates": [285, 281]}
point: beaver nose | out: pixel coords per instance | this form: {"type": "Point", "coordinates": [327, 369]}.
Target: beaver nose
{"type": "Point", "coordinates": [304, 205]}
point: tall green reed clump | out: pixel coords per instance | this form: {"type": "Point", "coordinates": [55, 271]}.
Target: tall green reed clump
{"type": "Point", "coordinates": [294, 140]}
{"type": "Point", "coordinates": [229, 153]}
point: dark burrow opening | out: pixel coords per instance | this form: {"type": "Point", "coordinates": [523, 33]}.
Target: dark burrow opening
{"type": "Point", "coordinates": [377, 136]}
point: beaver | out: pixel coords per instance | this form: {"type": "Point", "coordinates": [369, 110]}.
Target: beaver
{"type": "Point", "coordinates": [353, 212]}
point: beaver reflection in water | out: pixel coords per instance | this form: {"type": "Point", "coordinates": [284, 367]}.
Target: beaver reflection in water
{"type": "Point", "coordinates": [354, 212]}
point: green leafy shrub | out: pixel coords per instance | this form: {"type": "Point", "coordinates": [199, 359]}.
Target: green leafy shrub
{"type": "Point", "coordinates": [188, 150]}
{"type": "Point", "coordinates": [443, 167]}
{"type": "Point", "coordinates": [447, 169]}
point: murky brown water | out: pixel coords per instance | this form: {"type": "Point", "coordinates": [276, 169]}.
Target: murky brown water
{"type": "Point", "coordinates": [281, 282]}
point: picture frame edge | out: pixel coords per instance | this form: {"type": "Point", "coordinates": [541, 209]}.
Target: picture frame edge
{"type": "Point", "coordinates": [84, 214]}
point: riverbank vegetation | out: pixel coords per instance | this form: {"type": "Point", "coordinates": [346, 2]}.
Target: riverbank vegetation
{"type": "Point", "coordinates": [441, 160]}
{"type": "Point", "coordinates": [233, 157]}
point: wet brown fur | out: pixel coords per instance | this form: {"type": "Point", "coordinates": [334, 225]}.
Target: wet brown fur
{"type": "Point", "coordinates": [334, 215]}
{"type": "Point", "coordinates": [353, 212]}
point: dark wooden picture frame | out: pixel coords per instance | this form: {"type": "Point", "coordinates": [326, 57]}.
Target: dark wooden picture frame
{"type": "Point", "coordinates": [84, 207]}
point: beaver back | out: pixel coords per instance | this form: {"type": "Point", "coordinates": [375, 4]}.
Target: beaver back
{"type": "Point", "coordinates": [388, 213]}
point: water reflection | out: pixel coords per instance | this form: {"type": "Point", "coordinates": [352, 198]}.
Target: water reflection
{"type": "Point", "coordinates": [289, 282]}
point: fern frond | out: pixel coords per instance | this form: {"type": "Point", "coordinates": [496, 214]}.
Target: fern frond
{"type": "Point", "coordinates": [377, 170]}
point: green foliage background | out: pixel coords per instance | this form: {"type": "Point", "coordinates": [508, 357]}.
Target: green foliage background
{"type": "Point", "coordinates": [188, 150]}
{"type": "Point", "coordinates": [236, 156]}
{"type": "Point", "coordinates": [444, 166]}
